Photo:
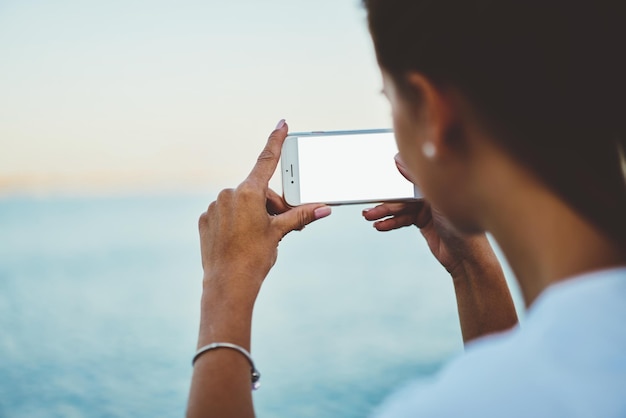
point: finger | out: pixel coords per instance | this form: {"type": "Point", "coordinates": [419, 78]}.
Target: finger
{"type": "Point", "coordinates": [396, 222]}
{"type": "Point", "coordinates": [391, 209]}
{"type": "Point", "coordinates": [424, 216]}
{"type": "Point", "coordinates": [402, 168]}
{"type": "Point", "coordinates": [268, 159]}
{"type": "Point", "coordinates": [299, 217]}
{"type": "Point", "coordinates": [275, 203]}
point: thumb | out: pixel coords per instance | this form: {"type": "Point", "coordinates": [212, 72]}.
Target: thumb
{"type": "Point", "coordinates": [300, 216]}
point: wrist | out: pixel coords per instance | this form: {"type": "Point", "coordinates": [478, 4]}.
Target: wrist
{"type": "Point", "coordinates": [479, 261]}
{"type": "Point", "coordinates": [226, 308]}
{"type": "Point", "coordinates": [224, 319]}
{"type": "Point", "coordinates": [485, 270]}
{"type": "Point", "coordinates": [239, 286]}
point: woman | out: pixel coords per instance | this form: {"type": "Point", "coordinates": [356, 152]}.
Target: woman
{"type": "Point", "coordinates": [509, 117]}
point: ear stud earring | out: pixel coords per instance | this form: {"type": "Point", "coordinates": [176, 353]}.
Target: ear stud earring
{"type": "Point", "coordinates": [428, 149]}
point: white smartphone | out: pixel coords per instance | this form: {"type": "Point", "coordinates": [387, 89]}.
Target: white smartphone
{"type": "Point", "coordinates": [343, 167]}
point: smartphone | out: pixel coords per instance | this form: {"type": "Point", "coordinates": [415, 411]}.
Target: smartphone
{"type": "Point", "coordinates": [343, 167]}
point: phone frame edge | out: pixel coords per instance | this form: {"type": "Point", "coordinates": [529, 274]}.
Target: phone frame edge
{"type": "Point", "coordinates": [289, 161]}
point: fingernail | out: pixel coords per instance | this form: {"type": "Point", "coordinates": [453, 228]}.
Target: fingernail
{"type": "Point", "coordinates": [365, 211]}
{"type": "Point", "coordinates": [280, 124]}
{"type": "Point", "coordinates": [322, 212]}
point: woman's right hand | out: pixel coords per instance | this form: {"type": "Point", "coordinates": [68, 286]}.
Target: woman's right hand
{"type": "Point", "coordinates": [483, 298]}
{"type": "Point", "coordinates": [450, 247]}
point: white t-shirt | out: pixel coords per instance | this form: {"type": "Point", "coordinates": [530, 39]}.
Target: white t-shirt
{"type": "Point", "coordinates": [568, 359]}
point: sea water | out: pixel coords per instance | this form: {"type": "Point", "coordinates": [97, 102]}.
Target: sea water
{"type": "Point", "coordinates": [99, 308]}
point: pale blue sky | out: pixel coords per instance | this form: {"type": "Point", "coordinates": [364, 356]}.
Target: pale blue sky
{"type": "Point", "coordinates": [167, 94]}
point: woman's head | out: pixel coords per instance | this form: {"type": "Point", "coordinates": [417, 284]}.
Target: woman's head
{"type": "Point", "coordinates": [545, 80]}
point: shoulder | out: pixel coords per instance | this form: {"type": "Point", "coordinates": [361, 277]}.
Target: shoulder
{"type": "Point", "coordinates": [489, 380]}
{"type": "Point", "coordinates": [567, 360]}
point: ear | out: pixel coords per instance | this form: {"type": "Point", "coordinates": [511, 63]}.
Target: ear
{"type": "Point", "coordinates": [438, 114]}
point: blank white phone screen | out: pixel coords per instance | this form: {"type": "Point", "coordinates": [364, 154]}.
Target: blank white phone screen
{"type": "Point", "coordinates": [354, 167]}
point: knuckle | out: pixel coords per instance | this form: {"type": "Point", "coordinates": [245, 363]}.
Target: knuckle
{"type": "Point", "coordinates": [266, 155]}
{"type": "Point", "coordinates": [203, 220]}
{"type": "Point", "coordinates": [395, 223]}
{"type": "Point", "coordinates": [247, 189]}
{"type": "Point", "coordinates": [225, 194]}
{"type": "Point", "coordinates": [303, 220]}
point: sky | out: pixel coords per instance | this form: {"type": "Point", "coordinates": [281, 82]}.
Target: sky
{"type": "Point", "coordinates": [149, 95]}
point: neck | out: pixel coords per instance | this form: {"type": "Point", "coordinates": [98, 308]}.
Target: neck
{"type": "Point", "coordinates": [544, 240]}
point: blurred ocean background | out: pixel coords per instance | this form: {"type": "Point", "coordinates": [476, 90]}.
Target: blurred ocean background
{"type": "Point", "coordinates": [99, 296]}
{"type": "Point", "coordinates": [99, 305]}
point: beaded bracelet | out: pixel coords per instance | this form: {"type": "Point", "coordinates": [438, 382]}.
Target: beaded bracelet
{"type": "Point", "coordinates": [256, 376]}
